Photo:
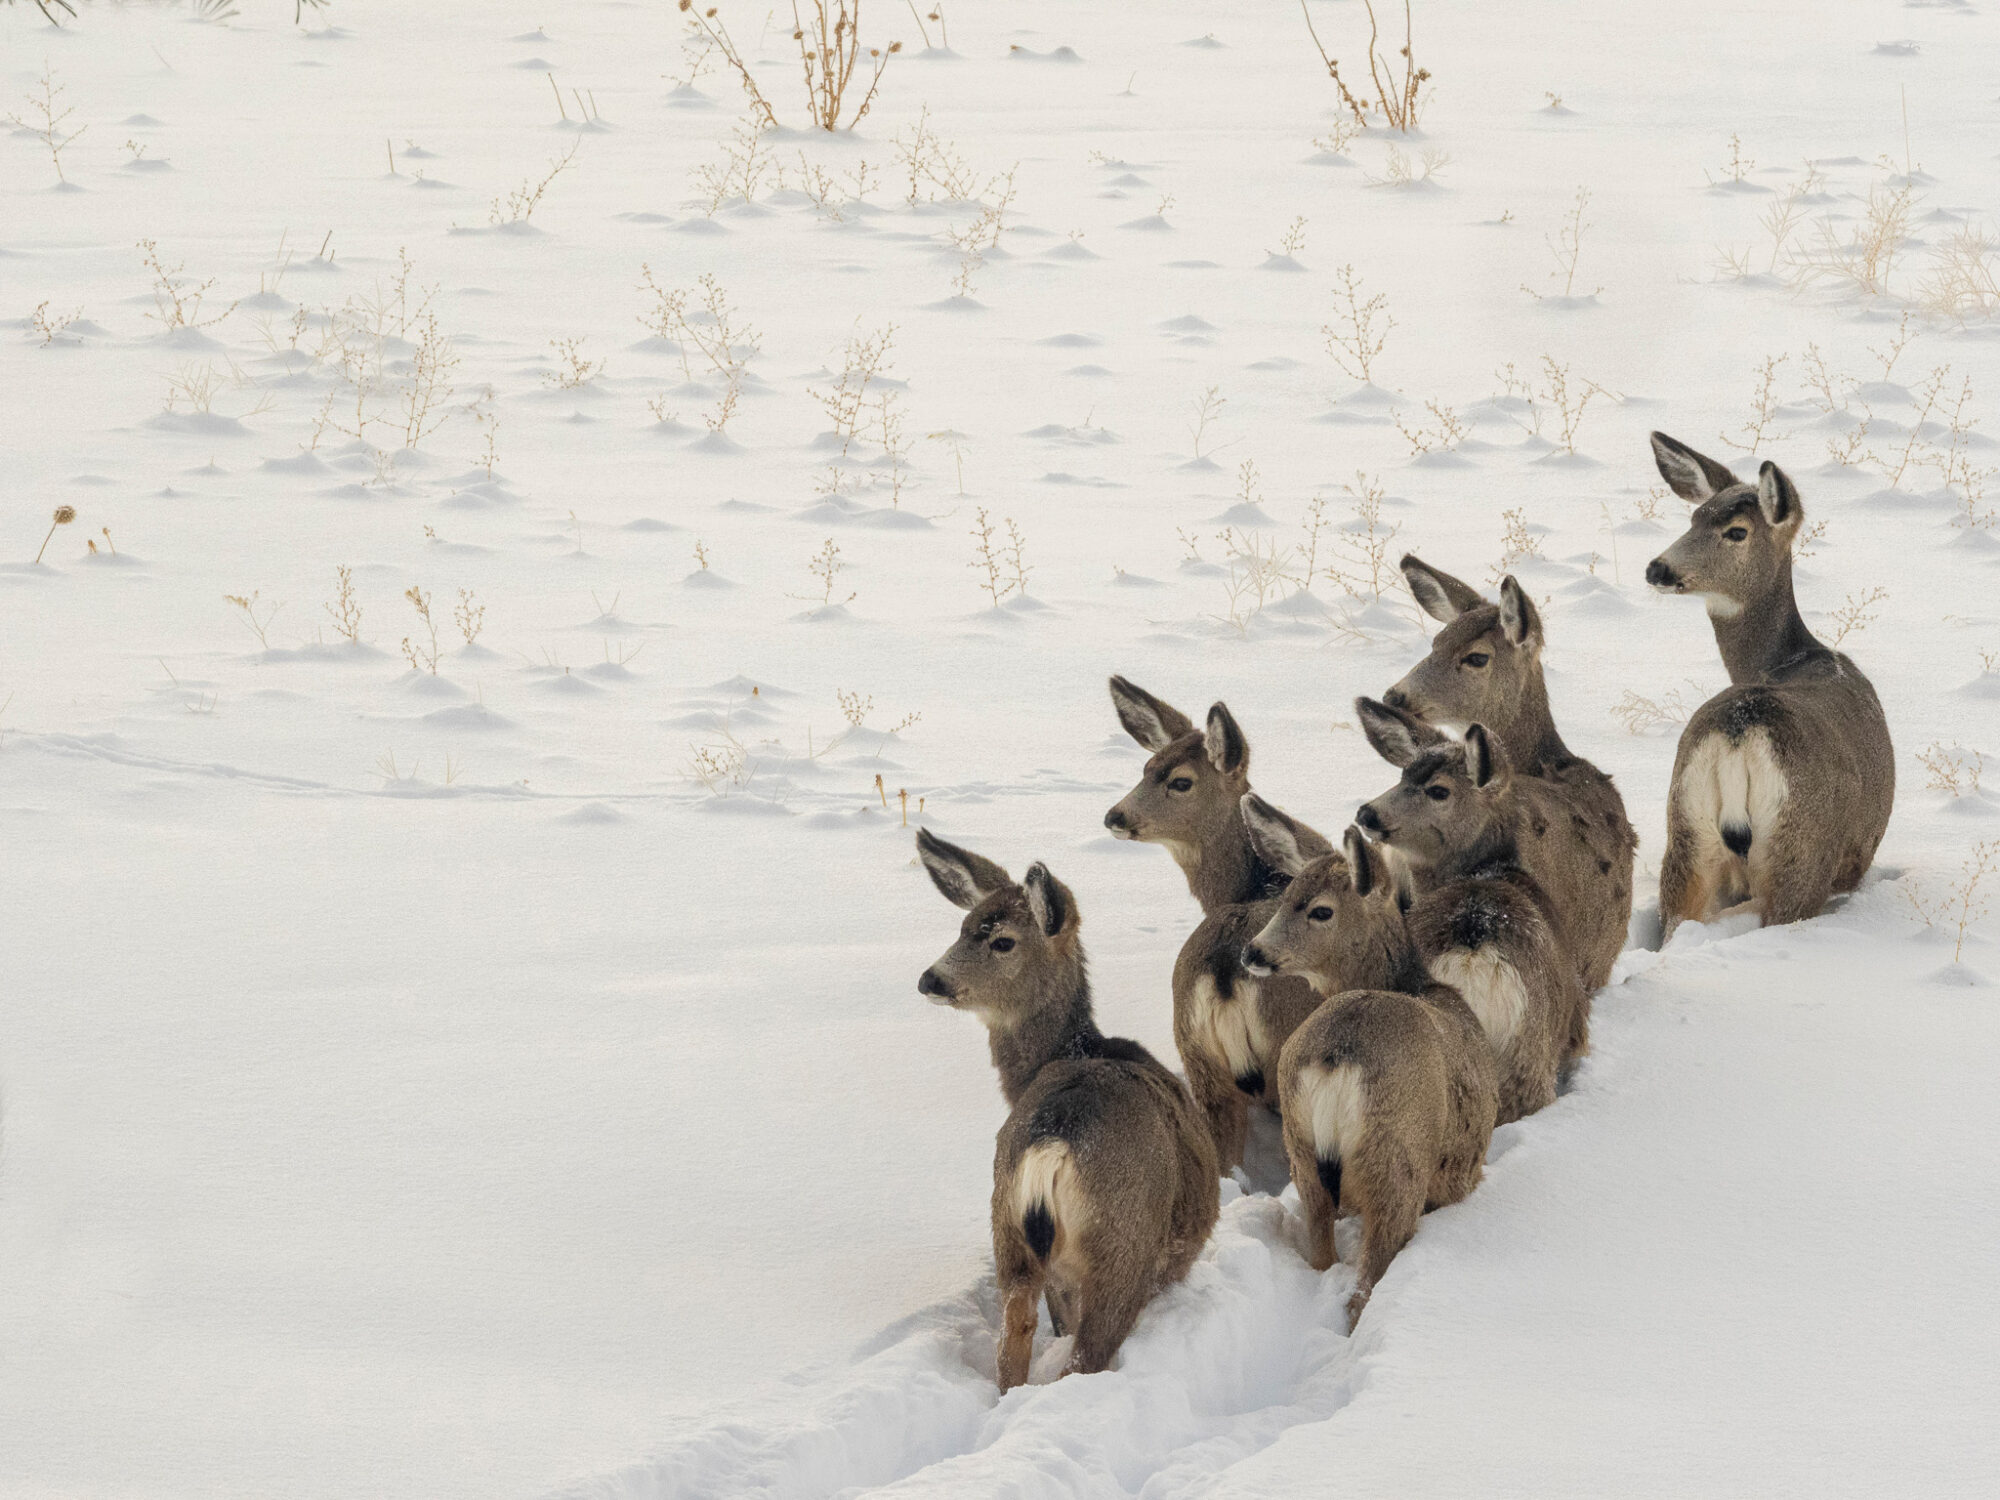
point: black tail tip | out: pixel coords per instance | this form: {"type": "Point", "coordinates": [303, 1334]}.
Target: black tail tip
{"type": "Point", "coordinates": [1252, 1082]}
{"type": "Point", "coordinates": [1737, 838]}
{"type": "Point", "coordinates": [1039, 1229]}
{"type": "Point", "coordinates": [1329, 1178]}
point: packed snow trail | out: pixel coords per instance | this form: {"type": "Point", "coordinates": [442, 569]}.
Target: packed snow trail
{"type": "Point", "coordinates": [1732, 1259]}
{"type": "Point", "coordinates": [449, 1085]}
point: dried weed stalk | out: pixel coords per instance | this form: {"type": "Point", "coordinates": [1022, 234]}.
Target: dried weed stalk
{"type": "Point", "coordinates": [1397, 97]}
{"type": "Point", "coordinates": [519, 206]}
{"type": "Point", "coordinates": [1360, 330]}
{"type": "Point", "coordinates": [344, 609]}
{"type": "Point", "coordinates": [1756, 432]}
{"type": "Point", "coordinates": [1965, 902]}
{"type": "Point", "coordinates": [51, 116]}
{"type": "Point", "coordinates": [1001, 565]}
{"type": "Point", "coordinates": [422, 658]}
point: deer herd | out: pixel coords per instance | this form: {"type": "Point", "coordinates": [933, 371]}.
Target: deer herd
{"type": "Point", "coordinates": [1394, 998]}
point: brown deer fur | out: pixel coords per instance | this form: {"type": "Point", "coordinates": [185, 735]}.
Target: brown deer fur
{"type": "Point", "coordinates": [1485, 667]}
{"type": "Point", "coordinates": [1388, 1088]}
{"type": "Point", "coordinates": [1783, 781]}
{"type": "Point", "coordinates": [1228, 1025]}
{"type": "Point", "coordinates": [1104, 1176]}
{"type": "Point", "coordinates": [1483, 924]}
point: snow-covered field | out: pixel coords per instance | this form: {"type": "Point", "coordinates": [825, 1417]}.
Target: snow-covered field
{"type": "Point", "coordinates": [509, 1078]}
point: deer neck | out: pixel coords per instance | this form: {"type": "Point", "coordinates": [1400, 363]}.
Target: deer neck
{"type": "Point", "coordinates": [1531, 739]}
{"type": "Point", "coordinates": [1493, 852]}
{"type": "Point", "coordinates": [1387, 960]}
{"type": "Point", "coordinates": [1766, 635]}
{"type": "Point", "coordinates": [1222, 869]}
{"type": "Point", "coordinates": [1059, 1025]}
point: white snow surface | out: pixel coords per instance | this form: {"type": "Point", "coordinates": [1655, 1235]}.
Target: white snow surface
{"type": "Point", "coordinates": [422, 1084]}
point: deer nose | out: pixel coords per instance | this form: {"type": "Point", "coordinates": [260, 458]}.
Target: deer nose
{"type": "Point", "coordinates": [1117, 821]}
{"type": "Point", "coordinates": [932, 983]}
{"type": "Point", "coordinates": [1257, 961]}
{"type": "Point", "coordinates": [1396, 698]}
{"type": "Point", "coordinates": [1368, 818]}
{"type": "Point", "coordinates": [1659, 575]}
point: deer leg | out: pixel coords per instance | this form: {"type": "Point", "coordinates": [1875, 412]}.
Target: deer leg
{"type": "Point", "coordinates": [1577, 1042]}
{"type": "Point", "coordinates": [1061, 1304]}
{"type": "Point", "coordinates": [1020, 1292]}
{"type": "Point", "coordinates": [1226, 1109]}
{"type": "Point", "coordinates": [1108, 1315]}
{"type": "Point", "coordinates": [1794, 882]}
{"type": "Point", "coordinates": [1314, 1201]}
{"type": "Point", "coordinates": [1386, 1226]}
{"type": "Point", "coordinates": [1687, 880]}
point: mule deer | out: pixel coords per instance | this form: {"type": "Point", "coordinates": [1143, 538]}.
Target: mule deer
{"type": "Point", "coordinates": [1484, 925]}
{"type": "Point", "coordinates": [1389, 1087]}
{"type": "Point", "coordinates": [1228, 1025]}
{"type": "Point", "coordinates": [1485, 667]}
{"type": "Point", "coordinates": [1104, 1180]}
{"type": "Point", "coordinates": [1783, 781]}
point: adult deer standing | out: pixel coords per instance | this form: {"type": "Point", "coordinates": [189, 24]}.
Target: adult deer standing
{"type": "Point", "coordinates": [1784, 780]}
{"type": "Point", "coordinates": [1483, 923]}
{"type": "Point", "coordinates": [1104, 1179]}
{"type": "Point", "coordinates": [1485, 667]}
{"type": "Point", "coordinates": [1389, 1087]}
{"type": "Point", "coordinates": [1229, 1025]}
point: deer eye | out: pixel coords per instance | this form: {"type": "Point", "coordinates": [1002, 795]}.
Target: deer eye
{"type": "Point", "coordinates": [1476, 659]}
{"type": "Point", "coordinates": [1181, 784]}
{"type": "Point", "coordinates": [1003, 945]}
{"type": "Point", "coordinates": [1437, 793]}
{"type": "Point", "coordinates": [1736, 533]}
{"type": "Point", "coordinates": [1320, 914]}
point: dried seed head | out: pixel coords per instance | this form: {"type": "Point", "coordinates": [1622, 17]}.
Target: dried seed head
{"type": "Point", "coordinates": [65, 514]}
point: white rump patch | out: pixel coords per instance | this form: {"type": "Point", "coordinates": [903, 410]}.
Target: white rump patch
{"type": "Point", "coordinates": [1491, 986]}
{"type": "Point", "coordinates": [1229, 1030]}
{"type": "Point", "coordinates": [1336, 1103]}
{"type": "Point", "coordinates": [1047, 1175]}
{"type": "Point", "coordinates": [1734, 786]}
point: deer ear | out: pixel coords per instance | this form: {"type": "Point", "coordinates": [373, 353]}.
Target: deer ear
{"type": "Point", "coordinates": [1396, 736]}
{"type": "Point", "coordinates": [1778, 497]}
{"type": "Point", "coordinates": [1049, 900]}
{"type": "Point", "coordinates": [1227, 750]}
{"type": "Point", "coordinates": [1519, 618]}
{"type": "Point", "coordinates": [1693, 476]}
{"type": "Point", "coordinates": [1361, 867]}
{"type": "Point", "coordinates": [1282, 842]}
{"type": "Point", "coordinates": [963, 878]}
{"type": "Point", "coordinates": [1402, 883]}
{"type": "Point", "coordinates": [1152, 723]}
{"type": "Point", "coordinates": [1441, 596]}
{"type": "Point", "coordinates": [1484, 759]}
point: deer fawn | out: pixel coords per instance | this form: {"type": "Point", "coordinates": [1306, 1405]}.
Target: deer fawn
{"type": "Point", "coordinates": [1389, 1087]}
{"type": "Point", "coordinates": [1784, 780]}
{"type": "Point", "coordinates": [1228, 1025]}
{"type": "Point", "coordinates": [1104, 1180]}
{"type": "Point", "coordinates": [1484, 925]}
{"type": "Point", "coordinates": [1485, 667]}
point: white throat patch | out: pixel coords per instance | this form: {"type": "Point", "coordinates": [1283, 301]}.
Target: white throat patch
{"type": "Point", "coordinates": [1721, 606]}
